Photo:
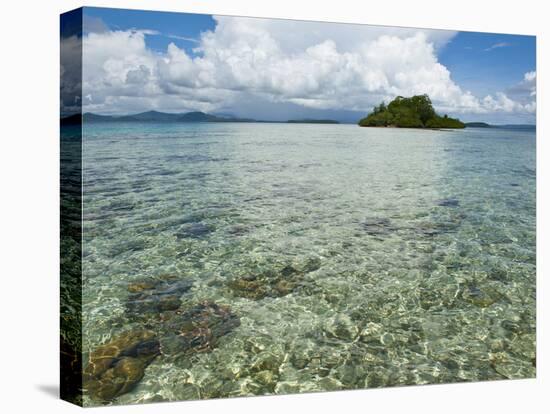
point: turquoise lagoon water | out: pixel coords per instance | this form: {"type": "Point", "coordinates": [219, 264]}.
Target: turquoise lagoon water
{"type": "Point", "coordinates": [352, 257]}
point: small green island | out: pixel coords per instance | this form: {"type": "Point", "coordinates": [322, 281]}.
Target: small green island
{"type": "Point", "coordinates": [414, 112]}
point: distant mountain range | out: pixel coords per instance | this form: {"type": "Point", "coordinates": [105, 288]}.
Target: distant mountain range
{"type": "Point", "coordinates": [477, 125]}
{"type": "Point", "coordinates": [506, 126]}
{"type": "Point", "coordinates": [156, 116]}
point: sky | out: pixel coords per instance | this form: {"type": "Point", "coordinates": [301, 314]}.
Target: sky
{"type": "Point", "coordinates": [272, 69]}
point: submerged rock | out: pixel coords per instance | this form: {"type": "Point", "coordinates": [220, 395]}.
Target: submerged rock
{"type": "Point", "coordinates": [193, 230]}
{"type": "Point", "coordinates": [259, 287]}
{"type": "Point", "coordinates": [511, 367]}
{"type": "Point", "coordinates": [481, 297]}
{"type": "Point", "coordinates": [267, 379]}
{"type": "Point", "coordinates": [250, 288]}
{"type": "Point", "coordinates": [141, 285]}
{"type": "Point", "coordinates": [273, 282]}
{"type": "Point", "coordinates": [427, 229]}
{"type": "Point", "coordinates": [430, 229]}
{"type": "Point", "coordinates": [330, 384]}
{"type": "Point", "coordinates": [238, 230]}
{"type": "Point", "coordinates": [441, 225]}
{"type": "Point", "coordinates": [432, 296]}
{"type": "Point", "coordinates": [199, 328]}
{"type": "Point", "coordinates": [155, 295]}
{"type": "Point", "coordinates": [116, 367]}
{"type": "Point", "coordinates": [376, 226]}
{"type": "Point", "coordinates": [499, 273]}
{"type": "Point", "coordinates": [448, 202]}
{"type": "Point", "coordinates": [341, 327]}
{"type": "Point", "coordinates": [310, 264]}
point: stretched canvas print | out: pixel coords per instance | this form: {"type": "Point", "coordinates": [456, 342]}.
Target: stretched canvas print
{"type": "Point", "coordinates": [257, 206]}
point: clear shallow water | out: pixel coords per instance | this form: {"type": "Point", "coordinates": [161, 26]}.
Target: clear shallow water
{"type": "Point", "coordinates": [352, 257]}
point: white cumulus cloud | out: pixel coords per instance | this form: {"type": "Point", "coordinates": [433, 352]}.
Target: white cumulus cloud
{"type": "Point", "coordinates": [315, 65]}
{"type": "Point", "coordinates": [530, 76]}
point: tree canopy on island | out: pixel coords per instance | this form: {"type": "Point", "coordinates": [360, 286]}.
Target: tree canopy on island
{"type": "Point", "coordinates": [414, 112]}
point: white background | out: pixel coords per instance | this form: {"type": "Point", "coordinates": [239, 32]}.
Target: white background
{"type": "Point", "coordinates": [29, 189]}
